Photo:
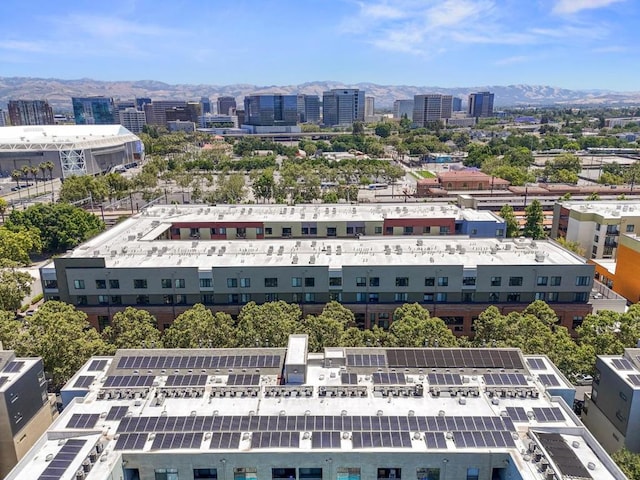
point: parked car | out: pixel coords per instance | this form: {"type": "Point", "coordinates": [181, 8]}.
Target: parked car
{"type": "Point", "coordinates": [583, 379]}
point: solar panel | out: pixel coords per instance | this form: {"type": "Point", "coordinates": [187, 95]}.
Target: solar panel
{"type": "Point", "coordinates": [366, 360]}
{"type": "Point", "coordinates": [392, 439]}
{"type": "Point", "coordinates": [548, 414]}
{"type": "Point", "coordinates": [243, 379]}
{"type": "Point", "coordinates": [13, 367]}
{"type": "Point", "coordinates": [511, 379]}
{"type": "Point", "coordinates": [487, 439]}
{"type": "Point", "coordinates": [3, 380]}
{"type": "Point", "coordinates": [390, 378]}
{"type": "Point", "coordinates": [173, 441]}
{"type": "Point", "coordinates": [64, 458]}
{"type": "Point", "coordinates": [224, 441]}
{"type": "Point", "coordinates": [444, 379]}
{"type": "Point", "coordinates": [83, 420]}
{"type": "Point", "coordinates": [435, 440]}
{"type": "Point", "coordinates": [325, 440]}
{"type": "Point", "coordinates": [455, 358]}
{"type": "Point", "coordinates": [349, 378]}
{"type": "Point", "coordinates": [635, 380]}
{"type": "Point", "coordinates": [117, 412]}
{"type": "Point", "coordinates": [97, 365]}
{"type": "Point", "coordinates": [549, 380]}
{"type": "Point", "coordinates": [131, 441]}
{"type": "Point", "coordinates": [119, 381]}
{"type": "Point", "coordinates": [275, 440]}
{"type": "Point", "coordinates": [83, 381]}
{"type": "Point", "coordinates": [536, 364]}
{"type": "Point", "coordinates": [517, 414]}
{"type": "Point", "coordinates": [563, 456]}
{"type": "Point", "coordinates": [198, 362]}
{"type": "Point", "coordinates": [619, 363]}
{"type": "Point", "coordinates": [186, 381]}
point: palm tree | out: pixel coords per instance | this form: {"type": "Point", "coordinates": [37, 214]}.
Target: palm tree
{"type": "Point", "coordinates": [26, 170]}
{"type": "Point", "coordinates": [3, 207]}
{"type": "Point", "coordinates": [50, 166]}
{"type": "Point", "coordinates": [15, 176]}
{"type": "Point", "coordinates": [34, 172]}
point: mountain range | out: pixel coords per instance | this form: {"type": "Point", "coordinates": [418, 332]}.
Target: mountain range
{"type": "Point", "coordinates": [59, 92]}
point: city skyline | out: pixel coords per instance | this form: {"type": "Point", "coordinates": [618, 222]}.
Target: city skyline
{"type": "Point", "coordinates": [577, 44]}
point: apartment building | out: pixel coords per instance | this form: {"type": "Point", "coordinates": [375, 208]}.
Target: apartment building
{"type": "Point", "coordinates": [30, 112]}
{"type": "Point", "coordinates": [621, 274]}
{"type": "Point", "coordinates": [147, 262]}
{"type": "Point", "coordinates": [26, 411]}
{"type": "Point", "coordinates": [344, 413]}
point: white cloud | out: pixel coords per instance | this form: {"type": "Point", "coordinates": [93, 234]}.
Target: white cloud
{"type": "Point", "coordinates": [567, 7]}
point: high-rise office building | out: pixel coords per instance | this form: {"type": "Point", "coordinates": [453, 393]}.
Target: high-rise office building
{"type": "Point", "coordinates": [132, 119]}
{"type": "Point", "coordinates": [3, 118]}
{"type": "Point", "coordinates": [30, 112]}
{"type": "Point", "coordinates": [141, 102]}
{"type": "Point", "coordinates": [431, 107]}
{"type": "Point", "coordinates": [369, 106]}
{"type": "Point", "coordinates": [343, 106]}
{"type": "Point", "coordinates": [480, 104]}
{"type": "Point", "coordinates": [94, 110]}
{"type": "Point", "coordinates": [403, 108]}
{"type": "Point", "coordinates": [271, 110]}
{"type": "Point", "coordinates": [457, 104]}
{"type": "Point", "coordinates": [205, 105]}
{"type": "Point", "coordinates": [156, 111]}
{"type": "Point", "coordinates": [225, 104]}
{"type": "Point", "coordinates": [309, 108]}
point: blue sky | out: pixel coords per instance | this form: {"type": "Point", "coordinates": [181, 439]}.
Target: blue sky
{"type": "Point", "coordinates": [579, 44]}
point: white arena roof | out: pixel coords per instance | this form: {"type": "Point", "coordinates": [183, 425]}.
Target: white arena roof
{"type": "Point", "coordinates": [63, 137]}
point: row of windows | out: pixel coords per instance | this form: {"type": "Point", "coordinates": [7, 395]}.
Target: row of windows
{"type": "Point", "coordinates": [114, 284]}
{"type": "Point", "coordinates": [330, 231]}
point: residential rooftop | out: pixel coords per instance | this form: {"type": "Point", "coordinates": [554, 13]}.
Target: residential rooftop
{"type": "Point", "coordinates": [607, 209]}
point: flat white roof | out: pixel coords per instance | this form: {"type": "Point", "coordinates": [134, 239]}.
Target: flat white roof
{"type": "Point", "coordinates": [53, 137]}
{"type": "Point", "coordinates": [607, 209]}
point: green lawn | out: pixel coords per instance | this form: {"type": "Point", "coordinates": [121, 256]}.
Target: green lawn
{"type": "Point", "coordinates": [426, 174]}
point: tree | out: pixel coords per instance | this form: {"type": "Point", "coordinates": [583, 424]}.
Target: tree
{"type": "Point", "coordinates": [511, 223]}
{"type": "Point", "coordinates": [231, 188]}
{"type": "Point", "coordinates": [413, 327]}
{"type": "Point", "coordinates": [133, 328]}
{"type": "Point", "coordinates": [17, 245]}
{"type": "Point", "coordinates": [61, 226]}
{"type": "Point", "coordinates": [269, 324]}
{"type": "Point", "coordinates": [199, 327]}
{"type": "Point", "coordinates": [383, 129]}
{"type": "Point", "coordinates": [16, 175]}
{"type": "Point", "coordinates": [59, 334]}
{"type": "Point", "coordinates": [77, 188]}
{"type": "Point", "coordinates": [116, 186]}
{"type": "Point", "coordinates": [533, 227]}
{"type": "Point", "coordinates": [264, 185]}
{"type": "Point", "coordinates": [14, 287]}
{"type": "Point", "coordinates": [357, 128]}
{"type": "Point", "coordinates": [572, 246]}
{"type": "Point", "coordinates": [3, 207]}
{"type": "Point", "coordinates": [609, 333]}
{"type": "Point", "coordinates": [628, 462]}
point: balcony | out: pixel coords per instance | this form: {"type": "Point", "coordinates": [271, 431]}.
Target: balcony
{"type": "Point", "coordinates": [603, 298]}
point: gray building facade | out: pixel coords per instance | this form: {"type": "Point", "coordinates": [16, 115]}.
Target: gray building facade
{"type": "Point", "coordinates": [343, 106]}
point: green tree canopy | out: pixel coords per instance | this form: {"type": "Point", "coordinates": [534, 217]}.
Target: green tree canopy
{"type": "Point", "coordinates": [267, 324]}
{"type": "Point", "coordinates": [628, 462]}
{"type": "Point", "coordinates": [76, 188]}
{"type": "Point", "coordinates": [14, 287]}
{"type": "Point", "coordinates": [511, 223]}
{"type": "Point", "coordinates": [413, 326]}
{"type": "Point", "coordinates": [17, 245]}
{"type": "Point", "coordinates": [199, 327]}
{"type": "Point", "coordinates": [133, 328]}
{"type": "Point", "coordinates": [533, 227]}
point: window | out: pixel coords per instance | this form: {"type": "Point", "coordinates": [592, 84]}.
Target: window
{"type": "Point", "coordinates": [115, 283]}
{"type": "Point", "coordinates": [496, 281]}
{"type": "Point", "coordinates": [408, 231]}
{"type": "Point", "coordinates": [513, 297]}
{"type": "Point", "coordinates": [374, 297]}
{"type": "Point", "coordinates": [103, 299]}
{"type": "Point", "coordinates": [596, 239]}
{"type": "Point", "coordinates": [630, 228]}
{"type": "Point", "coordinates": [331, 231]}
{"type": "Point", "coordinates": [443, 281]}
{"type": "Point", "coordinates": [167, 299]}
{"type": "Point", "coordinates": [500, 232]}
{"type": "Point", "coordinates": [441, 297]}
{"type": "Point", "coordinates": [583, 281]}
{"type": "Point", "coordinates": [305, 230]}
{"type": "Point", "coordinates": [377, 230]}
{"type": "Point", "coordinates": [429, 281]}
{"type": "Point", "coordinates": [556, 281]}
{"type": "Point", "coordinates": [140, 283]}
{"type": "Point", "coordinates": [212, 232]}
{"type": "Point", "coordinates": [103, 322]}
{"type": "Point", "coordinates": [101, 284]}
{"type": "Point", "coordinates": [232, 283]}
{"type": "Point", "coordinates": [180, 283]}
{"type": "Point", "coordinates": [389, 473]}
{"type": "Point", "coordinates": [165, 283]}
{"type": "Point", "coordinates": [473, 473]}
{"type": "Point", "coordinates": [296, 297]}
{"type": "Point", "coordinates": [116, 300]}
{"type": "Point", "coordinates": [400, 297]}
{"type": "Point", "coordinates": [270, 297]}
{"type": "Point", "coordinates": [402, 281]}
{"type": "Point", "coordinates": [296, 281]}
{"type": "Point", "coordinates": [552, 296]}
{"type": "Point", "coordinates": [245, 282]}
{"type": "Point", "coordinates": [361, 297]}
{"type": "Point", "coordinates": [166, 474]}
{"type": "Point", "coordinates": [81, 300]}
{"type": "Point", "coordinates": [245, 297]}
{"type": "Point", "coordinates": [206, 282]}
{"type": "Point", "coordinates": [268, 231]}
{"type": "Point", "coordinates": [259, 231]}
{"type": "Point", "coordinates": [222, 231]}
{"type": "Point", "coordinates": [309, 282]}
{"type": "Point", "coordinates": [142, 300]}
{"type": "Point", "coordinates": [542, 281]}
{"type": "Point", "coordinates": [577, 321]}
{"type": "Point", "coordinates": [426, 230]}
{"type": "Point", "coordinates": [474, 231]}
{"type": "Point", "coordinates": [271, 282]}
{"type": "Point", "coordinates": [580, 296]}
{"type": "Point", "coordinates": [310, 473]}
{"type": "Point", "coordinates": [50, 284]}
{"type": "Point", "coordinates": [245, 473]}
{"type": "Point", "coordinates": [540, 296]}
{"type": "Point", "coordinates": [335, 281]}
{"type": "Point", "coordinates": [349, 230]}
{"type": "Point", "coordinates": [428, 474]}
{"type": "Point", "coordinates": [285, 473]}
{"type": "Point", "coordinates": [207, 299]}
{"type": "Point", "coordinates": [233, 298]}
{"type": "Point", "coordinates": [494, 297]}
{"type": "Point", "coordinates": [286, 231]}
{"type": "Point", "coordinates": [469, 281]}
{"type": "Point", "coordinates": [388, 230]}
{"type": "Point", "coordinates": [468, 297]}
{"type": "Point", "coordinates": [361, 281]}
{"type": "Point", "coordinates": [335, 296]}
{"type": "Point", "coordinates": [515, 281]}
{"type": "Point", "coordinates": [309, 297]}
{"type": "Point", "coordinates": [181, 299]}
{"type": "Point", "coordinates": [427, 297]}
{"type": "Point", "coordinates": [445, 230]}
{"type": "Point", "coordinates": [205, 473]}
{"type": "Point", "coordinates": [374, 281]}
{"type": "Point", "coordinates": [78, 284]}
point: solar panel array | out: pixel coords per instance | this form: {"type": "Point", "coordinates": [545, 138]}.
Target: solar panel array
{"type": "Point", "coordinates": [83, 381]}
{"type": "Point", "coordinates": [275, 440]}
{"type": "Point", "coordinates": [548, 414]}
{"type": "Point", "coordinates": [243, 379]}
{"type": "Point", "coordinates": [325, 440]}
{"type": "Point", "coordinates": [472, 358]}
{"type": "Point", "coordinates": [563, 456]}
{"type": "Point", "coordinates": [131, 441]}
{"type": "Point", "coordinates": [13, 367]}
{"type": "Point", "coordinates": [349, 378]}
{"type": "Point", "coordinates": [435, 440]}
{"type": "Point", "coordinates": [390, 378]}
{"type": "Point", "coordinates": [199, 361]}
{"type": "Point", "coordinates": [175, 441]}
{"type": "Point", "coordinates": [83, 420]}
{"type": "Point", "coordinates": [635, 380]}
{"type": "Point", "coordinates": [224, 441]}
{"type": "Point", "coordinates": [117, 412]}
{"type": "Point", "coordinates": [517, 414]}
{"type": "Point", "coordinates": [310, 423]}
{"type": "Point", "coordinates": [622, 364]}
{"type": "Point", "coordinates": [536, 364]}
{"type": "Point", "coordinates": [507, 379]}
{"type": "Point", "coordinates": [366, 360]}
{"type": "Point", "coordinates": [444, 379]}
{"type": "Point", "coordinates": [123, 381]}
{"type": "Point", "coordinates": [64, 458]}
{"type": "Point", "coordinates": [97, 365]}
{"type": "Point", "coordinates": [483, 439]}
{"type": "Point", "coordinates": [186, 381]}
{"type": "Point", "coordinates": [549, 380]}
{"type": "Point", "coordinates": [392, 439]}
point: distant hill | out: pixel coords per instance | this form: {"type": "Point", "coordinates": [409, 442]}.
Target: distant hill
{"type": "Point", "coordinates": [59, 92]}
